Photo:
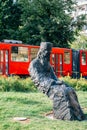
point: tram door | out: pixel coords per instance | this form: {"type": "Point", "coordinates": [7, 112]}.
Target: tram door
{"type": "Point", "coordinates": [3, 62]}
{"type": "Point", "coordinates": [57, 63]}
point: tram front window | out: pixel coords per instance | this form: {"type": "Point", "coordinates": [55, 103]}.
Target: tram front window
{"type": "Point", "coordinates": [19, 54]}
{"type": "Point", "coordinates": [33, 53]}
{"type": "Point", "coordinates": [67, 57]}
{"type": "Point", "coordinates": [83, 58]}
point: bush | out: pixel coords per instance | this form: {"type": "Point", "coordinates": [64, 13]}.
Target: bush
{"type": "Point", "coordinates": [16, 83]}
{"type": "Point", "coordinates": [77, 84]}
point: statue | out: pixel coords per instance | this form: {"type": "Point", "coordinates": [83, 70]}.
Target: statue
{"type": "Point", "coordinates": [65, 101]}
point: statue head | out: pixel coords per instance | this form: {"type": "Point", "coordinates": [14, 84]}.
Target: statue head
{"type": "Point", "coordinates": [46, 46]}
{"type": "Point", "coordinates": [45, 51]}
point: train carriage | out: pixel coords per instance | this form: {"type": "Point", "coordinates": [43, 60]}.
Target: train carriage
{"type": "Point", "coordinates": [15, 58]}
{"type": "Point", "coordinates": [61, 60]}
{"type": "Point", "coordinates": [83, 63]}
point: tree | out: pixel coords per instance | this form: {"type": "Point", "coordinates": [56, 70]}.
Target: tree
{"type": "Point", "coordinates": [47, 20]}
{"type": "Point", "coordinates": [80, 42]}
{"type": "Point", "coordinates": [10, 14]}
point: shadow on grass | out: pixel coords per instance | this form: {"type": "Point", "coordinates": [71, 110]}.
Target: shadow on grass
{"type": "Point", "coordinates": [28, 101]}
{"type": "Point", "coordinates": [85, 117]}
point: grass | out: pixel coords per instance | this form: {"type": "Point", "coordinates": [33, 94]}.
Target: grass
{"type": "Point", "coordinates": [34, 106]}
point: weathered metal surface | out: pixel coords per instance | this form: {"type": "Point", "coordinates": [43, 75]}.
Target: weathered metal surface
{"type": "Point", "coordinates": [65, 101]}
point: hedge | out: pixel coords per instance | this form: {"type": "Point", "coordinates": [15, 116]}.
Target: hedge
{"type": "Point", "coordinates": [16, 83]}
{"type": "Point", "coordinates": [77, 84]}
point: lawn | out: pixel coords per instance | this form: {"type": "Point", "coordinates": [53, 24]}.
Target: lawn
{"type": "Point", "coordinates": [34, 106]}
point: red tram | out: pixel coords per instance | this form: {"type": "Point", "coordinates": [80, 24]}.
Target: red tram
{"type": "Point", "coordinates": [61, 60]}
{"type": "Point", "coordinates": [83, 62]}
{"type": "Point", "coordinates": [15, 58]}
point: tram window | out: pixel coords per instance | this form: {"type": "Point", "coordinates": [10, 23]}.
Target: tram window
{"type": "Point", "coordinates": [1, 56]}
{"type": "Point", "coordinates": [67, 57]}
{"type": "Point", "coordinates": [83, 58]}
{"type": "Point", "coordinates": [19, 54]}
{"type": "Point", "coordinates": [33, 53]}
{"type": "Point", "coordinates": [14, 49]}
{"type": "Point", "coordinates": [1, 61]}
{"type": "Point", "coordinates": [60, 59]}
{"type": "Point", "coordinates": [56, 58]}
{"type": "Point", "coordinates": [1, 68]}
{"type": "Point", "coordinates": [53, 58]}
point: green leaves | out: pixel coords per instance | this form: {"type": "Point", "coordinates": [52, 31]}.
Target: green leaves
{"type": "Point", "coordinates": [80, 42]}
{"type": "Point", "coordinates": [47, 21]}
{"type": "Point", "coordinates": [10, 19]}
{"type": "Point", "coordinates": [33, 21]}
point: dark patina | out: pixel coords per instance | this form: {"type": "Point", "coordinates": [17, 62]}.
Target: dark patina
{"type": "Point", "coordinates": [65, 101]}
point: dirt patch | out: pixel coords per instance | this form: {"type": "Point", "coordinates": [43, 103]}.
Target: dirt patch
{"type": "Point", "coordinates": [50, 115]}
{"type": "Point", "coordinates": [22, 120]}
{"type": "Point", "coordinates": [85, 108]}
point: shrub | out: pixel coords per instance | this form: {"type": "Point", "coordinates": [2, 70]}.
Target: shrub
{"type": "Point", "coordinates": [16, 83]}
{"type": "Point", "coordinates": [77, 84]}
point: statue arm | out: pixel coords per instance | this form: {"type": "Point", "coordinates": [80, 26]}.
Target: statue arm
{"type": "Point", "coordinates": [34, 70]}
{"type": "Point", "coordinates": [53, 76]}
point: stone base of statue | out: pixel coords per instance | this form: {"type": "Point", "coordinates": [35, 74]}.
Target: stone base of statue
{"type": "Point", "coordinates": [65, 101]}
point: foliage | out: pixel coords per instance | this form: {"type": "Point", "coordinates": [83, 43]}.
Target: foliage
{"type": "Point", "coordinates": [80, 42]}
{"type": "Point", "coordinates": [77, 84]}
{"type": "Point", "coordinates": [33, 21]}
{"type": "Point", "coordinates": [47, 21]}
{"type": "Point", "coordinates": [35, 106]}
{"type": "Point", "coordinates": [10, 19]}
{"type": "Point", "coordinates": [16, 84]}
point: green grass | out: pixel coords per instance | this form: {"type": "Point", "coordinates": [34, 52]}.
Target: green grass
{"type": "Point", "coordinates": [34, 106]}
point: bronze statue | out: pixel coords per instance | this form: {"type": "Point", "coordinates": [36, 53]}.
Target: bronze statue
{"type": "Point", "coordinates": [65, 101]}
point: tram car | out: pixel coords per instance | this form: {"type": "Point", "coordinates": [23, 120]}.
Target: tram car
{"type": "Point", "coordinates": [15, 58]}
